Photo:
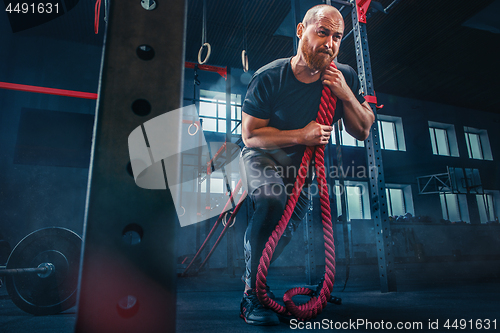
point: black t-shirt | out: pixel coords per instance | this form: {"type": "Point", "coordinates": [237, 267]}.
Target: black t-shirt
{"type": "Point", "coordinates": [274, 93]}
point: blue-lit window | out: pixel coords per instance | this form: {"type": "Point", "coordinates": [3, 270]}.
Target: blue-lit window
{"type": "Point", "coordinates": [388, 137]}
{"type": "Point", "coordinates": [391, 133]}
{"type": "Point", "coordinates": [486, 204]}
{"type": "Point", "coordinates": [478, 144]}
{"type": "Point", "coordinates": [213, 112]}
{"type": "Point", "coordinates": [399, 199]}
{"type": "Point", "coordinates": [443, 139]}
{"type": "Point", "coordinates": [474, 146]}
{"type": "Point", "coordinates": [346, 139]}
{"type": "Point", "coordinates": [454, 207]}
{"type": "Point", "coordinates": [395, 201]}
{"type": "Point", "coordinates": [357, 200]}
{"type": "Point", "coordinates": [439, 141]}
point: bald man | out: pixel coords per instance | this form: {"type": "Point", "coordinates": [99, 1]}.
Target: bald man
{"type": "Point", "coordinates": [278, 123]}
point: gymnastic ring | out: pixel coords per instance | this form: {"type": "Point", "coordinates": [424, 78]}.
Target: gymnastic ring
{"type": "Point", "coordinates": [224, 219]}
{"type": "Point", "coordinates": [189, 129]}
{"type": "Point", "coordinates": [184, 211]}
{"type": "Point", "coordinates": [209, 51]}
{"type": "Point", "coordinates": [244, 60]}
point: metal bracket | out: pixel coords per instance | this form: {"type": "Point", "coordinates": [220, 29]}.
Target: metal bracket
{"type": "Point", "coordinates": [344, 3]}
{"type": "Point", "coordinates": [362, 9]}
{"type": "Point", "coordinates": [438, 183]}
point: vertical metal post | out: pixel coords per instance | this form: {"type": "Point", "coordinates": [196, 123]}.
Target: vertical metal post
{"type": "Point", "coordinates": [230, 234]}
{"type": "Point", "coordinates": [378, 199]}
{"type": "Point", "coordinates": [196, 101]}
{"type": "Point", "coordinates": [311, 276]}
{"type": "Point", "coordinates": [343, 198]}
{"type": "Point", "coordinates": [128, 269]}
{"type": "Point", "coordinates": [296, 20]}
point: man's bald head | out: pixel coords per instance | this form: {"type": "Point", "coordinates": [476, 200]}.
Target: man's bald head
{"type": "Point", "coordinates": [314, 13]}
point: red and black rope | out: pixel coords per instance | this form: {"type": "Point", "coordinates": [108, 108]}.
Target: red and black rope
{"type": "Point", "coordinates": [315, 305]}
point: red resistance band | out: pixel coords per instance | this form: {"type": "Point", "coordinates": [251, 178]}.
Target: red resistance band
{"type": "Point", "coordinates": [315, 305]}
{"type": "Point", "coordinates": [222, 71]}
{"type": "Point", "coordinates": [228, 224]}
{"type": "Point", "coordinates": [97, 16]}
{"type": "Point", "coordinates": [210, 164]}
{"type": "Point", "coordinates": [373, 100]}
{"type": "Point", "coordinates": [49, 91]}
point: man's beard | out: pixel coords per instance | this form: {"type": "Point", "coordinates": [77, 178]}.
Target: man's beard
{"type": "Point", "coordinates": [316, 60]}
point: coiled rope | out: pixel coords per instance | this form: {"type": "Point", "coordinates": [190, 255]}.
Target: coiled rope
{"type": "Point", "coordinates": [315, 305]}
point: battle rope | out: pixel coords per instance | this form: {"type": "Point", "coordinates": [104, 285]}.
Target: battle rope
{"type": "Point", "coordinates": [315, 305]}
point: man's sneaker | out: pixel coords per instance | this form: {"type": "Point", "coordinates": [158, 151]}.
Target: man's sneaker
{"type": "Point", "coordinates": [254, 313]}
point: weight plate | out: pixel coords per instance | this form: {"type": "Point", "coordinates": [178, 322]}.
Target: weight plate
{"type": "Point", "coordinates": [55, 293]}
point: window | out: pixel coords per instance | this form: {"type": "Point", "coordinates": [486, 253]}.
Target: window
{"type": "Point", "coordinates": [395, 201]}
{"type": "Point", "coordinates": [391, 133]}
{"type": "Point", "coordinates": [474, 146]}
{"type": "Point", "coordinates": [454, 207]}
{"type": "Point", "coordinates": [218, 183]}
{"type": "Point", "coordinates": [443, 139]}
{"type": "Point", "coordinates": [478, 144]}
{"type": "Point", "coordinates": [439, 140]}
{"type": "Point", "coordinates": [346, 139]}
{"type": "Point", "coordinates": [399, 199]}
{"type": "Point", "coordinates": [213, 112]}
{"type": "Point", "coordinates": [388, 137]}
{"type": "Point", "coordinates": [357, 200]}
{"type": "Point", "coordinates": [486, 204]}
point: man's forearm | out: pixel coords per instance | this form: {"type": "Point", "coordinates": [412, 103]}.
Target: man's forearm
{"type": "Point", "coordinates": [358, 118]}
{"type": "Point", "coordinates": [270, 138]}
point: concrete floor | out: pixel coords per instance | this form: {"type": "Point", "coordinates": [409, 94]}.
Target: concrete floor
{"type": "Point", "coordinates": [210, 302]}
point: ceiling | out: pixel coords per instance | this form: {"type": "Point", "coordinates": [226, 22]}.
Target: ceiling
{"type": "Point", "coordinates": [443, 51]}
{"type": "Point", "coordinates": [420, 49]}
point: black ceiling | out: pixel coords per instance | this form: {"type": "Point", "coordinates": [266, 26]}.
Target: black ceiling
{"type": "Point", "coordinates": [421, 49]}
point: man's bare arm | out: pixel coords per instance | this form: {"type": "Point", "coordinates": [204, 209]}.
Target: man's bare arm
{"type": "Point", "coordinates": [256, 133]}
{"type": "Point", "coordinates": [358, 118]}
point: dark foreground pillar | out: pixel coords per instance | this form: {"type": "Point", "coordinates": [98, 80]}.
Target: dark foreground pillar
{"type": "Point", "coordinates": [127, 278]}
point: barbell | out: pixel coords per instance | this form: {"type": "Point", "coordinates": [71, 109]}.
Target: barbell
{"type": "Point", "coordinates": [41, 274]}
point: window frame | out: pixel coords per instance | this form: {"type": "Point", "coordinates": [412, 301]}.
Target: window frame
{"type": "Point", "coordinates": [451, 139]}
{"type": "Point", "coordinates": [343, 135]}
{"type": "Point", "coordinates": [461, 202]}
{"type": "Point", "coordinates": [364, 199]}
{"type": "Point", "coordinates": [407, 198]}
{"type": "Point", "coordinates": [399, 137]}
{"type": "Point", "coordinates": [494, 196]}
{"type": "Point", "coordinates": [219, 99]}
{"type": "Point", "coordinates": [483, 140]}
